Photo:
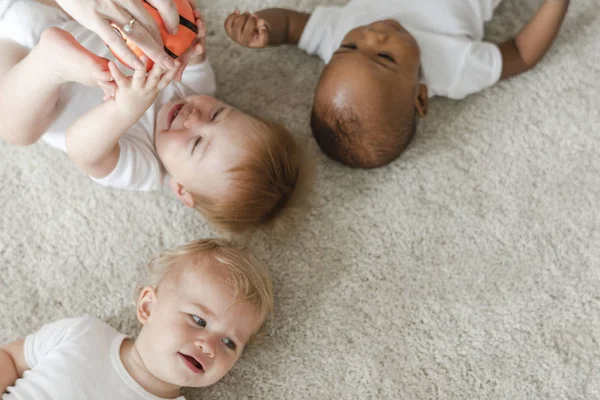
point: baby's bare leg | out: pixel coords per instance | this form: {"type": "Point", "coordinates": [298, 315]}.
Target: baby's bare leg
{"type": "Point", "coordinates": [30, 82]}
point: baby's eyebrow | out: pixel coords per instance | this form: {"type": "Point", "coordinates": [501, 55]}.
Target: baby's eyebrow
{"type": "Point", "coordinates": [205, 310]}
{"type": "Point", "coordinates": [235, 334]}
{"type": "Point", "coordinates": [226, 112]}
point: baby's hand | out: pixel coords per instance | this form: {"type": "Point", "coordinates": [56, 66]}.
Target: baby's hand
{"type": "Point", "coordinates": [247, 29]}
{"type": "Point", "coordinates": [134, 94]}
{"type": "Point", "coordinates": [197, 50]}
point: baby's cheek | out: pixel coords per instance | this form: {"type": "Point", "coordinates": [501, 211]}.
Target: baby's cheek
{"type": "Point", "coordinates": [227, 363]}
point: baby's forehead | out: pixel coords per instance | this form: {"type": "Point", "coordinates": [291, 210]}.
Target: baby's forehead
{"type": "Point", "coordinates": [349, 80]}
{"type": "Point", "coordinates": [194, 275]}
{"type": "Point", "coordinates": [190, 267]}
{"type": "Point", "coordinates": [365, 95]}
{"type": "Point", "coordinates": [204, 281]}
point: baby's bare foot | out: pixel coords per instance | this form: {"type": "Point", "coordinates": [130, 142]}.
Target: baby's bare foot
{"type": "Point", "coordinates": [70, 61]}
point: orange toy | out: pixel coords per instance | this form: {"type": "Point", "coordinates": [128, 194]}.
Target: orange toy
{"type": "Point", "coordinates": [175, 45]}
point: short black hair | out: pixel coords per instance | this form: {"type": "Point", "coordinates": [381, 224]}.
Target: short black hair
{"type": "Point", "coordinates": [344, 138]}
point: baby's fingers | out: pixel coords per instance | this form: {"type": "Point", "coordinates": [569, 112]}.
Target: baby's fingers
{"type": "Point", "coordinates": [260, 33]}
{"type": "Point", "coordinates": [103, 76]}
{"type": "Point", "coordinates": [154, 76]}
{"type": "Point", "coordinates": [139, 75]}
{"type": "Point", "coordinates": [200, 25]}
{"type": "Point", "coordinates": [229, 22]}
{"type": "Point", "coordinates": [101, 71]}
{"type": "Point", "coordinates": [109, 88]}
{"type": "Point", "coordinates": [166, 78]}
{"type": "Point", "coordinates": [237, 28]}
{"type": "Point", "coordinates": [240, 22]}
{"type": "Point", "coordinates": [249, 28]}
{"type": "Point", "coordinates": [119, 78]}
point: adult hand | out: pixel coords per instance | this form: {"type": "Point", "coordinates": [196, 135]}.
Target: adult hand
{"type": "Point", "coordinates": [97, 15]}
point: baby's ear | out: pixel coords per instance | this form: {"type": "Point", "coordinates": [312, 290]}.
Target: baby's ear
{"type": "Point", "coordinates": [145, 304]}
{"type": "Point", "coordinates": [422, 100]}
{"type": "Point", "coordinates": [183, 195]}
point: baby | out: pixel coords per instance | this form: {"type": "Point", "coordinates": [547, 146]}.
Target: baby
{"type": "Point", "coordinates": [203, 303]}
{"type": "Point", "coordinates": [385, 58]}
{"type": "Point", "coordinates": [240, 172]}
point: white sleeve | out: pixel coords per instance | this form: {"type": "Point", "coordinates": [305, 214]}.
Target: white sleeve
{"type": "Point", "coordinates": [319, 35]}
{"type": "Point", "coordinates": [48, 337]}
{"type": "Point", "coordinates": [480, 67]}
{"type": "Point", "coordinates": [138, 167]}
{"type": "Point", "coordinates": [199, 79]}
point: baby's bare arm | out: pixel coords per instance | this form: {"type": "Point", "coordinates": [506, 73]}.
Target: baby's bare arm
{"type": "Point", "coordinates": [269, 27]}
{"type": "Point", "coordinates": [530, 45]}
{"type": "Point", "coordinates": [12, 364]}
{"type": "Point", "coordinates": [93, 140]}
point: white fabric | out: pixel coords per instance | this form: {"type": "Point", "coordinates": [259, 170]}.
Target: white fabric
{"type": "Point", "coordinates": [75, 359]}
{"type": "Point", "coordinates": [455, 61]}
{"type": "Point", "coordinates": [138, 167]}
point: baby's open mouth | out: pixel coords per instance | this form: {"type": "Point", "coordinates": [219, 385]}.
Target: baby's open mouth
{"type": "Point", "coordinates": [173, 114]}
{"type": "Point", "coordinates": [194, 365]}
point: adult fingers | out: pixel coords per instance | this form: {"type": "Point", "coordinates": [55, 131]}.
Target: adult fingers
{"type": "Point", "coordinates": [168, 12]}
{"type": "Point", "coordinates": [143, 39]}
{"type": "Point", "coordinates": [116, 43]}
{"type": "Point", "coordinates": [136, 10]}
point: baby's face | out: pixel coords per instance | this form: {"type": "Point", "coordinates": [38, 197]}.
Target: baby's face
{"type": "Point", "coordinates": [196, 330]}
{"type": "Point", "coordinates": [198, 139]}
{"type": "Point", "coordinates": [374, 64]}
{"type": "Point", "coordinates": [383, 45]}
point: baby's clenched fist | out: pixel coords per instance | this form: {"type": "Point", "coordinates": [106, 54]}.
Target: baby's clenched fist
{"type": "Point", "coordinates": [247, 29]}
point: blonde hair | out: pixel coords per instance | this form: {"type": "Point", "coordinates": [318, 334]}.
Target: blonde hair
{"type": "Point", "coordinates": [249, 278]}
{"type": "Point", "coordinates": [267, 186]}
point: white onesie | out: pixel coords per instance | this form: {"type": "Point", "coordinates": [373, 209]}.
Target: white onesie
{"type": "Point", "coordinates": [76, 359]}
{"type": "Point", "coordinates": [455, 60]}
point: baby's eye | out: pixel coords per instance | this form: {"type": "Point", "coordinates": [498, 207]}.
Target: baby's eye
{"type": "Point", "coordinates": [387, 57]}
{"type": "Point", "coordinates": [350, 46]}
{"type": "Point", "coordinates": [214, 116]}
{"type": "Point", "coordinates": [229, 343]}
{"type": "Point", "coordinates": [199, 321]}
{"type": "Point", "coordinates": [196, 143]}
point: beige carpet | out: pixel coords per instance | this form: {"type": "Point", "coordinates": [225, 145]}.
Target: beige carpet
{"type": "Point", "coordinates": [468, 269]}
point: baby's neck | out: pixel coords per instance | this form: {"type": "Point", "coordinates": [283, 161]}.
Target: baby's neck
{"type": "Point", "coordinates": [133, 363]}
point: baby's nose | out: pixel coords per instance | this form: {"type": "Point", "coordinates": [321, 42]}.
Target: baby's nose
{"type": "Point", "coordinates": [196, 117]}
{"type": "Point", "coordinates": [206, 346]}
{"type": "Point", "coordinates": [376, 37]}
